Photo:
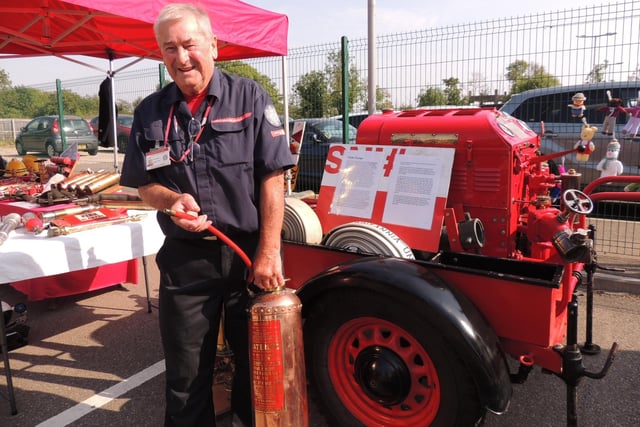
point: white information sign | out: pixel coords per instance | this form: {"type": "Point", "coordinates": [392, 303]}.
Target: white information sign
{"type": "Point", "coordinates": [414, 184]}
{"type": "Point", "coordinates": [356, 189]}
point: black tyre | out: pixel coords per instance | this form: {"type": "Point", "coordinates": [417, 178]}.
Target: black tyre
{"type": "Point", "coordinates": [20, 148]}
{"type": "Point", "coordinates": [93, 152]}
{"type": "Point", "coordinates": [377, 362]}
{"type": "Point", "coordinates": [51, 150]}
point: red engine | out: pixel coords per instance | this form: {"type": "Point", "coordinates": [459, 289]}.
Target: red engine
{"type": "Point", "coordinates": [438, 219]}
{"type": "Point", "coordinates": [498, 201]}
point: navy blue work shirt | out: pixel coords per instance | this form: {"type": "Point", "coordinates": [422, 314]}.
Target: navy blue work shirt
{"type": "Point", "coordinates": [242, 142]}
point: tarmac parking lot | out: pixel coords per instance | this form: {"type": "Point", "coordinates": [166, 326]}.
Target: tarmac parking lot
{"type": "Point", "coordinates": [95, 360]}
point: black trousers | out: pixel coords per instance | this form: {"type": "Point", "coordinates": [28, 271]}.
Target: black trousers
{"type": "Point", "coordinates": [198, 278]}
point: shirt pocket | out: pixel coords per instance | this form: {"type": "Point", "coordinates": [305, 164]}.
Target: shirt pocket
{"type": "Point", "coordinates": [153, 134]}
{"type": "Point", "coordinates": [233, 143]}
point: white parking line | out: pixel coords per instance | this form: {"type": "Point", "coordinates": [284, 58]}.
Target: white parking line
{"type": "Point", "coordinates": [98, 400]}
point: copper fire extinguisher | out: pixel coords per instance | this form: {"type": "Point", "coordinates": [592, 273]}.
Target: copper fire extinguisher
{"type": "Point", "coordinates": [276, 353]}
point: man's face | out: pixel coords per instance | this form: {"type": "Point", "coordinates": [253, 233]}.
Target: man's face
{"type": "Point", "coordinates": [188, 54]}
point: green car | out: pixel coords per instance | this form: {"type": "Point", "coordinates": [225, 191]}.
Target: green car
{"type": "Point", "coordinates": [42, 135]}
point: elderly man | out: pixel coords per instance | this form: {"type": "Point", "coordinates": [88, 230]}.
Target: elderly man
{"type": "Point", "coordinates": [210, 145]}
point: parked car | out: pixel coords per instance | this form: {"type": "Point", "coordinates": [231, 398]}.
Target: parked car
{"type": "Point", "coordinates": [319, 134]}
{"type": "Point", "coordinates": [123, 129]}
{"type": "Point", "coordinates": [42, 135]}
{"type": "Point", "coordinates": [356, 118]}
{"type": "Point", "coordinates": [562, 131]}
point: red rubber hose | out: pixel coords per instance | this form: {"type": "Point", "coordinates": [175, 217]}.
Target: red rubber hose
{"type": "Point", "coordinates": [219, 234]}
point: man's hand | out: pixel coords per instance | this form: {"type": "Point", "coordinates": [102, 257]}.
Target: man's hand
{"type": "Point", "coordinates": [186, 203]}
{"type": "Point", "coordinates": [267, 271]}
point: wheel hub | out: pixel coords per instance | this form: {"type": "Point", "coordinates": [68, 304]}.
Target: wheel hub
{"type": "Point", "coordinates": [383, 376]}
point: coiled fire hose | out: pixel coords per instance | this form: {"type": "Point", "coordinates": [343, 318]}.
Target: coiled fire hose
{"type": "Point", "coordinates": [301, 224]}
{"type": "Point", "coordinates": [368, 238]}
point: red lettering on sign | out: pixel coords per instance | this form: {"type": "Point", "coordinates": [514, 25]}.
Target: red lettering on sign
{"type": "Point", "coordinates": [334, 159]}
{"type": "Point", "coordinates": [267, 366]}
{"type": "Point", "coordinates": [390, 159]}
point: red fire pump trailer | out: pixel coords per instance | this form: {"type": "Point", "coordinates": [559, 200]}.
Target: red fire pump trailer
{"type": "Point", "coordinates": [432, 253]}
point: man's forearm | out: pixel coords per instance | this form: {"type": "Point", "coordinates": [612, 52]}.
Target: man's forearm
{"type": "Point", "coordinates": [272, 211]}
{"type": "Point", "coordinates": [157, 196]}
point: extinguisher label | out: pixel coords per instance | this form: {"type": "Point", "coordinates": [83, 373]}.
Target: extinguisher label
{"type": "Point", "coordinates": [267, 366]}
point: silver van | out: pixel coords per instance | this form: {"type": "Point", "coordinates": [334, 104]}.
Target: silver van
{"type": "Point", "coordinates": [551, 106]}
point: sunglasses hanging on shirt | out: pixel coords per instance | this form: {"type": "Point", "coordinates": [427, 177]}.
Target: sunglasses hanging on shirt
{"type": "Point", "coordinates": [194, 131]}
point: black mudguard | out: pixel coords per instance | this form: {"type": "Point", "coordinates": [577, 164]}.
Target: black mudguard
{"type": "Point", "coordinates": [443, 306]}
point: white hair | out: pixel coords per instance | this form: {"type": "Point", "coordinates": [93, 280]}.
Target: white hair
{"type": "Point", "coordinates": [178, 11]}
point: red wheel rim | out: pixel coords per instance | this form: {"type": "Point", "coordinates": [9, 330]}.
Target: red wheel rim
{"type": "Point", "coordinates": [358, 339]}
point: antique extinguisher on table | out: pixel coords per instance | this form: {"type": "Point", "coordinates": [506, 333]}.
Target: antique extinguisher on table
{"type": "Point", "coordinates": [276, 352]}
{"type": "Point", "coordinates": [276, 355]}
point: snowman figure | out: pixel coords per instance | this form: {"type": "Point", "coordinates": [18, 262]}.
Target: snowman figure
{"type": "Point", "coordinates": [610, 165]}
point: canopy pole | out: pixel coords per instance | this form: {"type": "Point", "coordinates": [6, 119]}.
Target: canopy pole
{"type": "Point", "coordinates": [63, 134]}
{"type": "Point", "coordinates": [372, 56]}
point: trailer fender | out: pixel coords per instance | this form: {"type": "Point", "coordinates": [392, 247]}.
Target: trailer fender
{"type": "Point", "coordinates": [444, 306]}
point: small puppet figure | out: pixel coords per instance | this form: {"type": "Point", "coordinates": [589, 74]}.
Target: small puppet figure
{"type": "Point", "coordinates": [613, 110]}
{"type": "Point", "coordinates": [585, 146]}
{"type": "Point", "coordinates": [610, 165]}
{"type": "Point", "coordinates": [631, 128]}
{"type": "Point", "coordinates": [578, 107]}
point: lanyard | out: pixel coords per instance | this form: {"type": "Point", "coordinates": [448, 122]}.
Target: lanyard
{"type": "Point", "coordinates": [194, 136]}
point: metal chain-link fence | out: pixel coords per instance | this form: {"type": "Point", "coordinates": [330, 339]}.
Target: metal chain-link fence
{"type": "Point", "coordinates": [479, 63]}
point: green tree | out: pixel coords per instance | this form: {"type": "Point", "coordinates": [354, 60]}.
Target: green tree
{"type": "Point", "coordinates": [5, 82]}
{"type": "Point", "coordinates": [319, 94]}
{"type": "Point", "coordinates": [431, 96]}
{"type": "Point", "coordinates": [357, 85]}
{"type": "Point", "coordinates": [311, 95]}
{"type": "Point", "coordinates": [383, 100]}
{"type": "Point", "coordinates": [21, 101]}
{"type": "Point", "coordinates": [404, 107]}
{"type": "Point", "coordinates": [524, 76]}
{"type": "Point", "coordinates": [125, 107]}
{"type": "Point", "coordinates": [74, 104]}
{"type": "Point", "coordinates": [243, 69]}
{"type": "Point", "coordinates": [453, 92]}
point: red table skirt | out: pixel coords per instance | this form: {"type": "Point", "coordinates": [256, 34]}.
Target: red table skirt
{"type": "Point", "coordinates": [77, 282]}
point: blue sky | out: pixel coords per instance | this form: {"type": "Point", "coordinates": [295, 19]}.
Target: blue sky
{"type": "Point", "coordinates": [313, 22]}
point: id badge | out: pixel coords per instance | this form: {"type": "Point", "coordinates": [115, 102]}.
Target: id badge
{"type": "Point", "coordinates": [157, 158]}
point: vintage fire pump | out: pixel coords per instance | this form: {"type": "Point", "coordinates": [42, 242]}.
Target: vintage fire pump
{"type": "Point", "coordinates": [414, 262]}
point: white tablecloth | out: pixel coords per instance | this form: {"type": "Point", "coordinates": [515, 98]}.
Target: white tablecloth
{"type": "Point", "coordinates": [26, 256]}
